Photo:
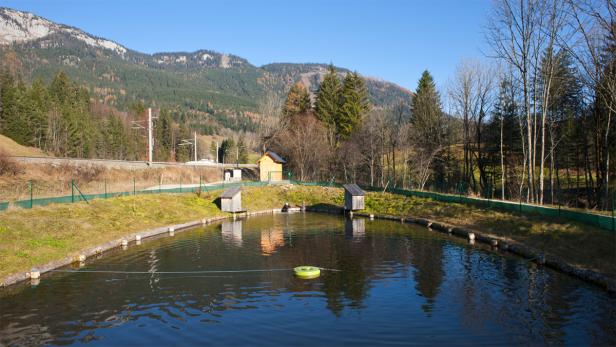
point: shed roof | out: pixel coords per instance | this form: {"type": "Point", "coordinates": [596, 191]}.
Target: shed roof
{"type": "Point", "coordinates": [275, 157]}
{"type": "Point", "coordinates": [229, 193]}
{"type": "Point", "coordinates": [354, 189]}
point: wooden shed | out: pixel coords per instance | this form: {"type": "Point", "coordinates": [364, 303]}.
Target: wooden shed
{"type": "Point", "coordinates": [231, 200]}
{"type": "Point", "coordinates": [270, 167]}
{"type": "Point", "coordinates": [353, 197]}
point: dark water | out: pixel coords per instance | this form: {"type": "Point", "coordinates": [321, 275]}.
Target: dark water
{"type": "Point", "coordinates": [398, 285]}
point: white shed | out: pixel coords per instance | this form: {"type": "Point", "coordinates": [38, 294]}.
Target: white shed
{"type": "Point", "coordinates": [353, 197]}
{"type": "Point", "coordinates": [231, 200]}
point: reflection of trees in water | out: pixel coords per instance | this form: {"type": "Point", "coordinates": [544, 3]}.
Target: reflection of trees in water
{"type": "Point", "coordinates": [427, 259]}
{"type": "Point", "coordinates": [68, 306]}
{"type": "Point", "coordinates": [532, 303]}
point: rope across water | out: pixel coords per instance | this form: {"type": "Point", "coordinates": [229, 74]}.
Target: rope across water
{"type": "Point", "coordinates": [180, 272]}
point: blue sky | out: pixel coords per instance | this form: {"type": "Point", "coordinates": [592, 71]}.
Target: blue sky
{"type": "Point", "coordinates": [392, 40]}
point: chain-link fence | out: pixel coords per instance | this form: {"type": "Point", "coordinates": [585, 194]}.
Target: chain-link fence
{"type": "Point", "coordinates": [606, 222]}
{"type": "Point", "coordinates": [77, 195]}
{"type": "Point", "coordinates": [101, 191]}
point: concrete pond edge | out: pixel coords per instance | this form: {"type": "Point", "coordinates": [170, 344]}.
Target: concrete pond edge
{"type": "Point", "coordinates": [496, 242]}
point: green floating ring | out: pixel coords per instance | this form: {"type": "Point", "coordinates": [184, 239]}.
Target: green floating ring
{"type": "Point", "coordinates": [307, 272]}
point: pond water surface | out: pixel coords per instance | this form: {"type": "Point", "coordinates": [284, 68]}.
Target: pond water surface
{"type": "Point", "coordinates": [397, 284]}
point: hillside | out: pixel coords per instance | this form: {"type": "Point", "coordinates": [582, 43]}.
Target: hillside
{"type": "Point", "coordinates": [12, 148]}
{"type": "Point", "coordinates": [219, 85]}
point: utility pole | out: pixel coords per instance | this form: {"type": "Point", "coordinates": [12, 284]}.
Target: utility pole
{"type": "Point", "coordinates": [150, 140]}
{"type": "Point", "coordinates": [195, 146]}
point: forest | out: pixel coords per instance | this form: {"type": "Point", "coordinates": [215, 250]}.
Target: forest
{"type": "Point", "coordinates": [64, 120]}
{"type": "Point", "coordinates": [530, 122]}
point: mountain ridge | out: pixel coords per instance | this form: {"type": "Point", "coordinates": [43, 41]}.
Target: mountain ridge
{"type": "Point", "coordinates": [204, 80]}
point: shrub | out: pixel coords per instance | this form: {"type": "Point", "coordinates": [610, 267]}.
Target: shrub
{"type": "Point", "coordinates": [8, 166]}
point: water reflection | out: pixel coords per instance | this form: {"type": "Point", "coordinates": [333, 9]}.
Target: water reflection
{"type": "Point", "coordinates": [355, 228]}
{"type": "Point", "coordinates": [232, 233]}
{"type": "Point", "coordinates": [397, 283]}
{"type": "Point", "coordinates": [271, 239]}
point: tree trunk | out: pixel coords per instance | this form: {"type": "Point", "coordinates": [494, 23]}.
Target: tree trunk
{"type": "Point", "coordinates": [502, 160]}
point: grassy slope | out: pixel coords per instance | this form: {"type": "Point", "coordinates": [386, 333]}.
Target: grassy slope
{"type": "Point", "coordinates": [11, 147]}
{"type": "Point", "coordinates": [31, 237]}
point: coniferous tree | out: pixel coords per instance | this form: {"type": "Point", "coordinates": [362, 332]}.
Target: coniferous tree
{"type": "Point", "coordinates": [426, 113]}
{"type": "Point", "coordinates": [298, 101]}
{"type": "Point", "coordinates": [242, 152]}
{"type": "Point", "coordinates": [329, 98]}
{"type": "Point", "coordinates": [355, 105]}
{"type": "Point", "coordinates": [39, 98]}
{"type": "Point", "coordinates": [225, 151]}
{"type": "Point", "coordinates": [163, 142]}
{"type": "Point", "coordinates": [182, 153]}
{"type": "Point", "coordinates": [428, 128]}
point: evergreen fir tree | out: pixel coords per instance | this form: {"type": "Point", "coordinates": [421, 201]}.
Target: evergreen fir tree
{"type": "Point", "coordinates": [163, 142]}
{"type": "Point", "coordinates": [426, 113]}
{"type": "Point", "coordinates": [38, 113]}
{"type": "Point", "coordinates": [355, 105]}
{"type": "Point", "coordinates": [329, 98]}
{"type": "Point", "coordinates": [242, 151]}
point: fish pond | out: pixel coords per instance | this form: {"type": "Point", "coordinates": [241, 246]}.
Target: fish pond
{"type": "Point", "coordinates": [385, 283]}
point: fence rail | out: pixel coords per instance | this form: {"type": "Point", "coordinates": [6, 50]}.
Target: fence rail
{"type": "Point", "coordinates": [594, 219]}
{"type": "Point", "coordinates": [77, 196]}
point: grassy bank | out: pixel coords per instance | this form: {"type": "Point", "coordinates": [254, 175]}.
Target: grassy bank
{"type": "Point", "coordinates": [42, 234]}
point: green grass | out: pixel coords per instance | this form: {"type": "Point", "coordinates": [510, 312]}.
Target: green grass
{"type": "Point", "coordinates": [31, 237]}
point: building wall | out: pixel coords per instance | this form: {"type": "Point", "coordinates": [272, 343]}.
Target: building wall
{"type": "Point", "coordinates": [231, 204]}
{"type": "Point", "coordinates": [353, 203]}
{"type": "Point", "coordinates": [267, 166]}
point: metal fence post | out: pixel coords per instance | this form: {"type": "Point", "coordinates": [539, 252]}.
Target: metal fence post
{"type": "Point", "coordinates": [160, 182]}
{"type": "Point", "coordinates": [199, 182]}
{"type": "Point", "coordinates": [520, 200]}
{"type": "Point", "coordinates": [613, 226]}
{"type": "Point", "coordinates": [134, 190]}
{"type": "Point", "coordinates": [73, 190]}
{"type": "Point", "coordinates": [105, 188]}
{"type": "Point", "coordinates": [180, 184]}
{"type": "Point", "coordinates": [31, 193]}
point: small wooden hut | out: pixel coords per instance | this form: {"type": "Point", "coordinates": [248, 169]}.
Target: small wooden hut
{"type": "Point", "coordinates": [231, 200]}
{"type": "Point", "coordinates": [353, 197]}
{"type": "Point", "coordinates": [270, 167]}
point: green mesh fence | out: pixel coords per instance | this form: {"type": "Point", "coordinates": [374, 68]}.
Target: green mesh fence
{"type": "Point", "coordinates": [29, 203]}
{"type": "Point", "coordinates": [597, 220]}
